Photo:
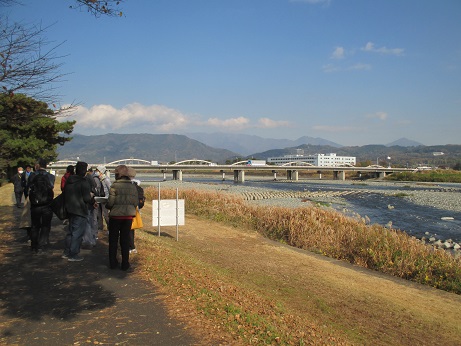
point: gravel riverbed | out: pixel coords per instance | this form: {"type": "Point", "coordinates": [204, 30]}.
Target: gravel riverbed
{"type": "Point", "coordinates": [424, 210]}
{"type": "Point", "coordinates": [439, 196]}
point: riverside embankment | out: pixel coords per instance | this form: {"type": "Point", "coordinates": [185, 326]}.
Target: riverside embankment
{"type": "Point", "coordinates": [431, 212]}
{"type": "Point", "coordinates": [228, 284]}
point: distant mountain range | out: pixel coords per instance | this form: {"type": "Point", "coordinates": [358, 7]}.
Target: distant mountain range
{"type": "Point", "coordinates": [404, 142]}
{"type": "Point", "coordinates": [248, 144]}
{"type": "Point", "coordinates": [222, 147]}
{"type": "Point", "coordinates": [162, 148]}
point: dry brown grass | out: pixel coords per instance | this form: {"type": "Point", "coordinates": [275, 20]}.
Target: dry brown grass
{"type": "Point", "coordinates": [244, 289]}
{"type": "Point", "coordinates": [332, 234]}
{"type": "Point", "coordinates": [232, 286]}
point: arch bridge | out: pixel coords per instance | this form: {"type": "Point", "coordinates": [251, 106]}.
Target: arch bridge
{"type": "Point", "coordinates": [130, 161]}
{"type": "Point", "coordinates": [298, 163]}
{"type": "Point", "coordinates": [238, 168]}
{"type": "Point", "coordinates": [193, 161]}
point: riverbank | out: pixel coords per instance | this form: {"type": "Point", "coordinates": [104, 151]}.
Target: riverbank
{"type": "Point", "coordinates": [229, 286]}
{"type": "Point", "coordinates": [430, 212]}
{"type": "Point", "coordinates": [267, 292]}
{"type": "Point", "coordinates": [437, 195]}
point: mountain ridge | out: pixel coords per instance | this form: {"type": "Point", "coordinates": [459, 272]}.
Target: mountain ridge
{"type": "Point", "coordinates": [150, 147]}
{"type": "Point", "coordinates": [173, 148]}
{"type": "Point", "coordinates": [248, 144]}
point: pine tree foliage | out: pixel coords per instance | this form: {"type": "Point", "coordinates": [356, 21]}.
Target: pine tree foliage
{"type": "Point", "coordinates": [29, 130]}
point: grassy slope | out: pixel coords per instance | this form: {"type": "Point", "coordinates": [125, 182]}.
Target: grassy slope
{"type": "Point", "coordinates": [233, 277]}
{"type": "Point", "coordinates": [235, 287]}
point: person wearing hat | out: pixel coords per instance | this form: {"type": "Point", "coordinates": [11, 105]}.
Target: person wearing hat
{"type": "Point", "coordinates": [141, 200]}
{"type": "Point", "coordinates": [102, 213]}
{"type": "Point", "coordinates": [77, 195]}
{"type": "Point", "coordinates": [122, 203]}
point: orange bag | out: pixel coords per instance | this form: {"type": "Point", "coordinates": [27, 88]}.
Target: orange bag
{"type": "Point", "coordinates": [137, 221]}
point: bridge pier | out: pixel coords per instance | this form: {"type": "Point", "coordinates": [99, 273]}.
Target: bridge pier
{"type": "Point", "coordinates": [339, 175]}
{"type": "Point", "coordinates": [177, 174]}
{"type": "Point", "coordinates": [275, 175]}
{"type": "Point", "coordinates": [320, 174]}
{"type": "Point", "coordinates": [223, 175]}
{"type": "Point", "coordinates": [381, 175]}
{"type": "Point", "coordinates": [164, 175]}
{"type": "Point", "coordinates": [239, 176]}
{"type": "Point", "coordinates": [292, 174]}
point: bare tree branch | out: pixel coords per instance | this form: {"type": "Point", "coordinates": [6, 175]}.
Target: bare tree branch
{"type": "Point", "coordinates": [27, 63]}
{"type": "Point", "coordinates": [100, 7]}
{"type": "Point", "coordinates": [9, 2]}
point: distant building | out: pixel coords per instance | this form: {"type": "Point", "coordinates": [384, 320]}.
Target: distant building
{"type": "Point", "coordinates": [438, 153]}
{"type": "Point", "coordinates": [321, 160]}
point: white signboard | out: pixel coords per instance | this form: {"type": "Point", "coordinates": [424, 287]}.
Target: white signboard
{"type": "Point", "coordinates": [170, 213]}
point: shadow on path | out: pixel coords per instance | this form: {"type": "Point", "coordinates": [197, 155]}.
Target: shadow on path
{"type": "Point", "coordinates": [47, 300]}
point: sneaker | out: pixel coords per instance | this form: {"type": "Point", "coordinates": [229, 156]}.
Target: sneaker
{"type": "Point", "coordinates": [75, 259]}
{"type": "Point", "coordinates": [133, 251]}
{"type": "Point", "coordinates": [65, 256]}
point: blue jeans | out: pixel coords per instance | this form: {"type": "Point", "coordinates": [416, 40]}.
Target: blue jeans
{"type": "Point", "coordinates": [77, 226]}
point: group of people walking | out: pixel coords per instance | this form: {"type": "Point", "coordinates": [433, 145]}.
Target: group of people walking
{"type": "Point", "coordinates": [117, 206]}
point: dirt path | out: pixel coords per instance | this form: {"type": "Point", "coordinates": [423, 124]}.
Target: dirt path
{"type": "Point", "coordinates": [332, 301]}
{"type": "Point", "coordinates": [46, 300]}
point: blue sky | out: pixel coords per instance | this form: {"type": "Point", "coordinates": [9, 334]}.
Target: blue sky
{"type": "Point", "coordinates": [355, 72]}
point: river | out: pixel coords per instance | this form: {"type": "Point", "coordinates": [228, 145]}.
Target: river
{"type": "Point", "coordinates": [381, 203]}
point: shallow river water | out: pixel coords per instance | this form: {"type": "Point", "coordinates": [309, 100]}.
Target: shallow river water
{"type": "Point", "coordinates": [375, 201]}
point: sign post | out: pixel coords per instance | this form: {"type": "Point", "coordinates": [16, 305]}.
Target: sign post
{"type": "Point", "coordinates": [168, 212]}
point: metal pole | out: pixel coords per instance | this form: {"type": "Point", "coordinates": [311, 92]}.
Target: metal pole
{"type": "Point", "coordinates": [158, 210]}
{"type": "Point", "coordinates": [177, 215]}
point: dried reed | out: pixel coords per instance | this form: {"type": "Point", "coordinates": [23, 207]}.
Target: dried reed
{"type": "Point", "coordinates": [332, 234]}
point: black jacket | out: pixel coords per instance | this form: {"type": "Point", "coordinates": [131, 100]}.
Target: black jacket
{"type": "Point", "coordinates": [77, 195]}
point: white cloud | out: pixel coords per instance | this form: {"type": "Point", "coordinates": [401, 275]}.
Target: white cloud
{"type": "Point", "coordinates": [157, 118]}
{"type": "Point", "coordinates": [360, 66]}
{"type": "Point", "coordinates": [269, 123]}
{"type": "Point", "coordinates": [329, 68]}
{"type": "Point", "coordinates": [230, 124]}
{"type": "Point", "coordinates": [378, 115]}
{"type": "Point", "coordinates": [338, 53]}
{"type": "Point", "coordinates": [107, 117]}
{"type": "Point", "coordinates": [242, 123]}
{"type": "Point", "coordinates": [370, 47]}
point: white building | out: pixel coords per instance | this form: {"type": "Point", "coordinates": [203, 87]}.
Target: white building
{"type": "Point", "coordinates": [321, 160]}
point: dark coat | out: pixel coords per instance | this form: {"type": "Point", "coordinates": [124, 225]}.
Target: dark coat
{"type": "Point", "coordinates": [17, 183]}
{"type": "Point", "coordinates": [24, 182]}
{"type": "Point", "coordinates": [77, 195]}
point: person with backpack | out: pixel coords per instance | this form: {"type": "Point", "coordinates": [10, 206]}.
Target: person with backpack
{"type": "Point", "coordinates": [77, 197]}
{"type": "Point", "coordinates": [122, 203]}
{"type": "Point", "coordinates": [70, 170]}
{"type": "Point", "coordinates": [141, 200]}
{"type": "Point", "coordinates": [103, 175]}
{"type": "Point", "coordinates": [91, 231]}
{"type": "Point", "coordinates": [40, 186]}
